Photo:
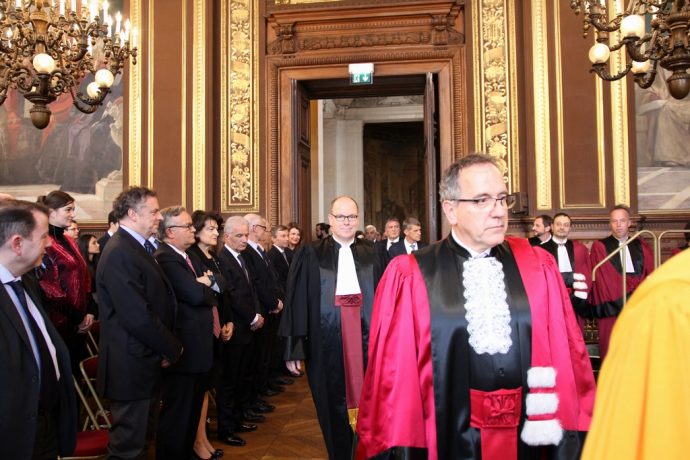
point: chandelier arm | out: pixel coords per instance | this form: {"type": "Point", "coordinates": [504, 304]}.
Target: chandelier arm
{"type": "Point", "coordinates": [86, 104]}
{"type": "Point", "coordinates": [604, 26]}
{"type": "Point", "coordinates": [602, 71]}
{"type": "Point", "coordinates": [644, 81]}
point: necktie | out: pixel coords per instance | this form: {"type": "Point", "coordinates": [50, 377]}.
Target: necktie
{"type": "Point", "coordinates": [48, 389]}
{"type": "Point", "coordinates": [189, 263]}
{"type": "Point", "coordinates": [150, 249]}
{"type": "Point", "coordinates": [240, 259]}
{"type": "Point", "coordinates": [413, 247]}
{"type": "Point", "coordinates": [214, 310]}
{"type": "Point", "coordinates": [285, 257]}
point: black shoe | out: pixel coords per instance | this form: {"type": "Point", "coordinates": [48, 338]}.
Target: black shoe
{"type": "Point", "coordinates": [253, 418]}
{"type": "Point", "coordinates": [232, 440]}
{"type": "Point", "coordinates": [277, 388]}
{"type": "Point", "coordinates": [268, 392]}
{"type": "Point", "coordinates": [245, 428]}
{"type": "Point", "coordinates": [263, 408]}
{"type": "Point", "coordinates": [218, 453]}
{"type": "Point", "coordinates": [284, 381]}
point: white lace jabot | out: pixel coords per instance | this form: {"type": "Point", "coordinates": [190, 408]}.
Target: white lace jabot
{"type": "Point", "coordinates": [488, 315]}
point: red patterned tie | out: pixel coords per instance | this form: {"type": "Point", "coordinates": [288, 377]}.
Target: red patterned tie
{"type": "Point", "coordinates": [214, 310]}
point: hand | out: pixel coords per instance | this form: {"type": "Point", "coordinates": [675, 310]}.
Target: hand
{"type": "Point", "coordinates": [279, 308]}
{"type": "Point", "coordinates": [259, 323]}
{"type": "Point", "coordinates": [580, 286]}
{"type": "Point", "coordinates": [86, 323]}
{"type": "Point", "coordinates": [165, 363]}
{"type": "Point", "coordinates": [205, 280]}
{"type": "Point", "coordinates": [226, 331]}
{"type": "Point", "coordinates": [294, 367]}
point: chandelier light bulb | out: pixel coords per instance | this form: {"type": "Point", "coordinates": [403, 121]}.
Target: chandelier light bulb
{"type": "Point", "coordinates": [43, 63]}
{"type": "Point", "coordinates": [632, 26]}
{"type": "Point", "coordinates": [641, 67]}
{"type": "Point", "coordinates": [599, 53]}
{"type": "Point", "coordinates": [104, 78]}
{"type": "Point", "coordinates": [93, 90]}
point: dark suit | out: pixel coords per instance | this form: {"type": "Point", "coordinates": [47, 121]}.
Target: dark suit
{"type": "Point", "coordinates": [535, 241]}
{"type": "Point", "coordinates": [398, 249]}
{"type": "Point", "coordinates": [383, 251]}
{"type": "Point", "coordinates": [103, 240]}
{"type": "Point", "coordinates": [19, 397]}
{"type": "Point", "coordinates": [137, 312]}
{"type": "Point", "coordinates": [184, 382]}
{"type": "Point", "coordinates": [235, 383]}
{"type": "Point", "coordinates": [280, 266]}
{"type": "Point", "coordinates": [268, 292]}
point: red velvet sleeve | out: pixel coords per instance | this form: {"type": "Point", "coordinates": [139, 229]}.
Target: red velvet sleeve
{"type": "Point", "coordinates": [397, 404]}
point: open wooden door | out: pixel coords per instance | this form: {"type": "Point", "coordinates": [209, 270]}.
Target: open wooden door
{"type": "Point", "coordinates": [301, 135]}
{"type": "Point", "coordinates": [431, 144]}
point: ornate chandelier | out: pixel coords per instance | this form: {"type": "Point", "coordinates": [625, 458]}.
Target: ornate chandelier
{"type": "Point", "coordinates": [48, 47]}
{"type": "Point", "coordinates": [653, 33]}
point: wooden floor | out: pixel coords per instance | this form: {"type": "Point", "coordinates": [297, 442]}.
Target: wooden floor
{"type": "Point", "coordinates": [291, 432]}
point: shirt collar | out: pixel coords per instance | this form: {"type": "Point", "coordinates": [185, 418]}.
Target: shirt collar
{"type": "Point", "coordinates": [343, 244]}
{"type": "Point", "coordinates": [182, 253]}
{"type": "Point", "coordinates": [134, 234]}
{"type": "Point", "coordinates": [559, 241]}
{"type": "Point", "coordinates": [473, 254]}
{"type": "Point", "coordinates": [232, 251]}
{"type": "Point", "coordinates": [6, 276]}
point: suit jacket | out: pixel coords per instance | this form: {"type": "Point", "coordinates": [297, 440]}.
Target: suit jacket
{"type": "Point", "coordinates": [280, 266]}
{"type": "Point", "coordinates": [383, 252]}
{"type": "Point", "coordinates": [103, 240]}
{"type": "Point", "coordinates": [194, 320]}
{"type": "Point", "coordinates": [398, 249]}
{"type": "Point", "coordinates": [240, 297]}
{"type": "Point", "coordinates": [263, 275]}
{"type": "Point", "coordinates": [137, 311]}
{"type": "Point", "coordinates": [20, 385]}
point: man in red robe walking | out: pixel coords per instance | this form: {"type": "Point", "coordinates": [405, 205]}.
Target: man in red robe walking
{"type": "Point", "coordinates": [607, 291]}
{"type": "Point", "coordinates": [474, 348]}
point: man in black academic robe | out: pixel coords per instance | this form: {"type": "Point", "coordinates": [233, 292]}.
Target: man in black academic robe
{"type": "Point", "coordinates": [311, 321]}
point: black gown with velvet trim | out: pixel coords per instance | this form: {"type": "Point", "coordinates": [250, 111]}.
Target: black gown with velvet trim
{"type": "Point", "coordinates": [311, 324]}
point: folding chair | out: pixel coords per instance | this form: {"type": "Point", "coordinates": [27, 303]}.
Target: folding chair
{"type": "Point", "coordinates": [91, 444]}
{"type": "Point", "coordinates": [89, 370]}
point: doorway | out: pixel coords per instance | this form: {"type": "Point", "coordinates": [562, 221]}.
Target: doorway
{"type": "Point", "coordinates": [289, 122]}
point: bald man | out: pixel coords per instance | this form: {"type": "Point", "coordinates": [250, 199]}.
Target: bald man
{"type": "Point", "coordinates": [330, 291]}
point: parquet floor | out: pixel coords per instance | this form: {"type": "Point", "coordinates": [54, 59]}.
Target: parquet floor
{"type": "Point", "coordinates": [290, 433]}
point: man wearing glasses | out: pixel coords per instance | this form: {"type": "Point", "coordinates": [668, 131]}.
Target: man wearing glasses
{"type": "Point", "coordinates": [475, 351]}
{"type": "Point", "coordinates": [330, 291]}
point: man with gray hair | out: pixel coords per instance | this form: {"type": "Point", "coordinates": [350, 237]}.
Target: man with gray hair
{"type": "Point", "coordinates": [136, 304]}
{"type": "Point", "coordinates": [235, 387]}
{"type": "Point", "coordinates": [184, 383]}
{"type": "Point", "coordinates": [412, 229]}
{"type": "Point", "coordinates": [468, 336]}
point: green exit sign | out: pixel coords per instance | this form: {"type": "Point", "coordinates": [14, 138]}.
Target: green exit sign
{"type": "Point", "coordinates": [361, 73]}
{"type": "Point", "coordinates": [361, 78]}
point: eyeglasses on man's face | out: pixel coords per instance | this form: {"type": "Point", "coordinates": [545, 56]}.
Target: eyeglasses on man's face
{"type": "Point", "coordinates": [488, 202]}
{"type": "Point", "coordinates": [187, 226]}
{"type": "Point", "coordinates": [345, 218]}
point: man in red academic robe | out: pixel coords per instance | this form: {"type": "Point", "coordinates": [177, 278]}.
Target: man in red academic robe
{"type": "Point", "coordinates": [474, 348]}
{"type": "Point", "coordinates": [607, 291]}
{"type": "Point", "coordinates": [573, 262]}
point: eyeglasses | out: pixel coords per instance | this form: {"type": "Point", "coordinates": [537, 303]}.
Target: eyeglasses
{"type": "Point", "coordinates": [344, 218]}
{"type": "Point", "coordinates": [187, 226]}
{"type": "Point", "coordinates": [488, 202]}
